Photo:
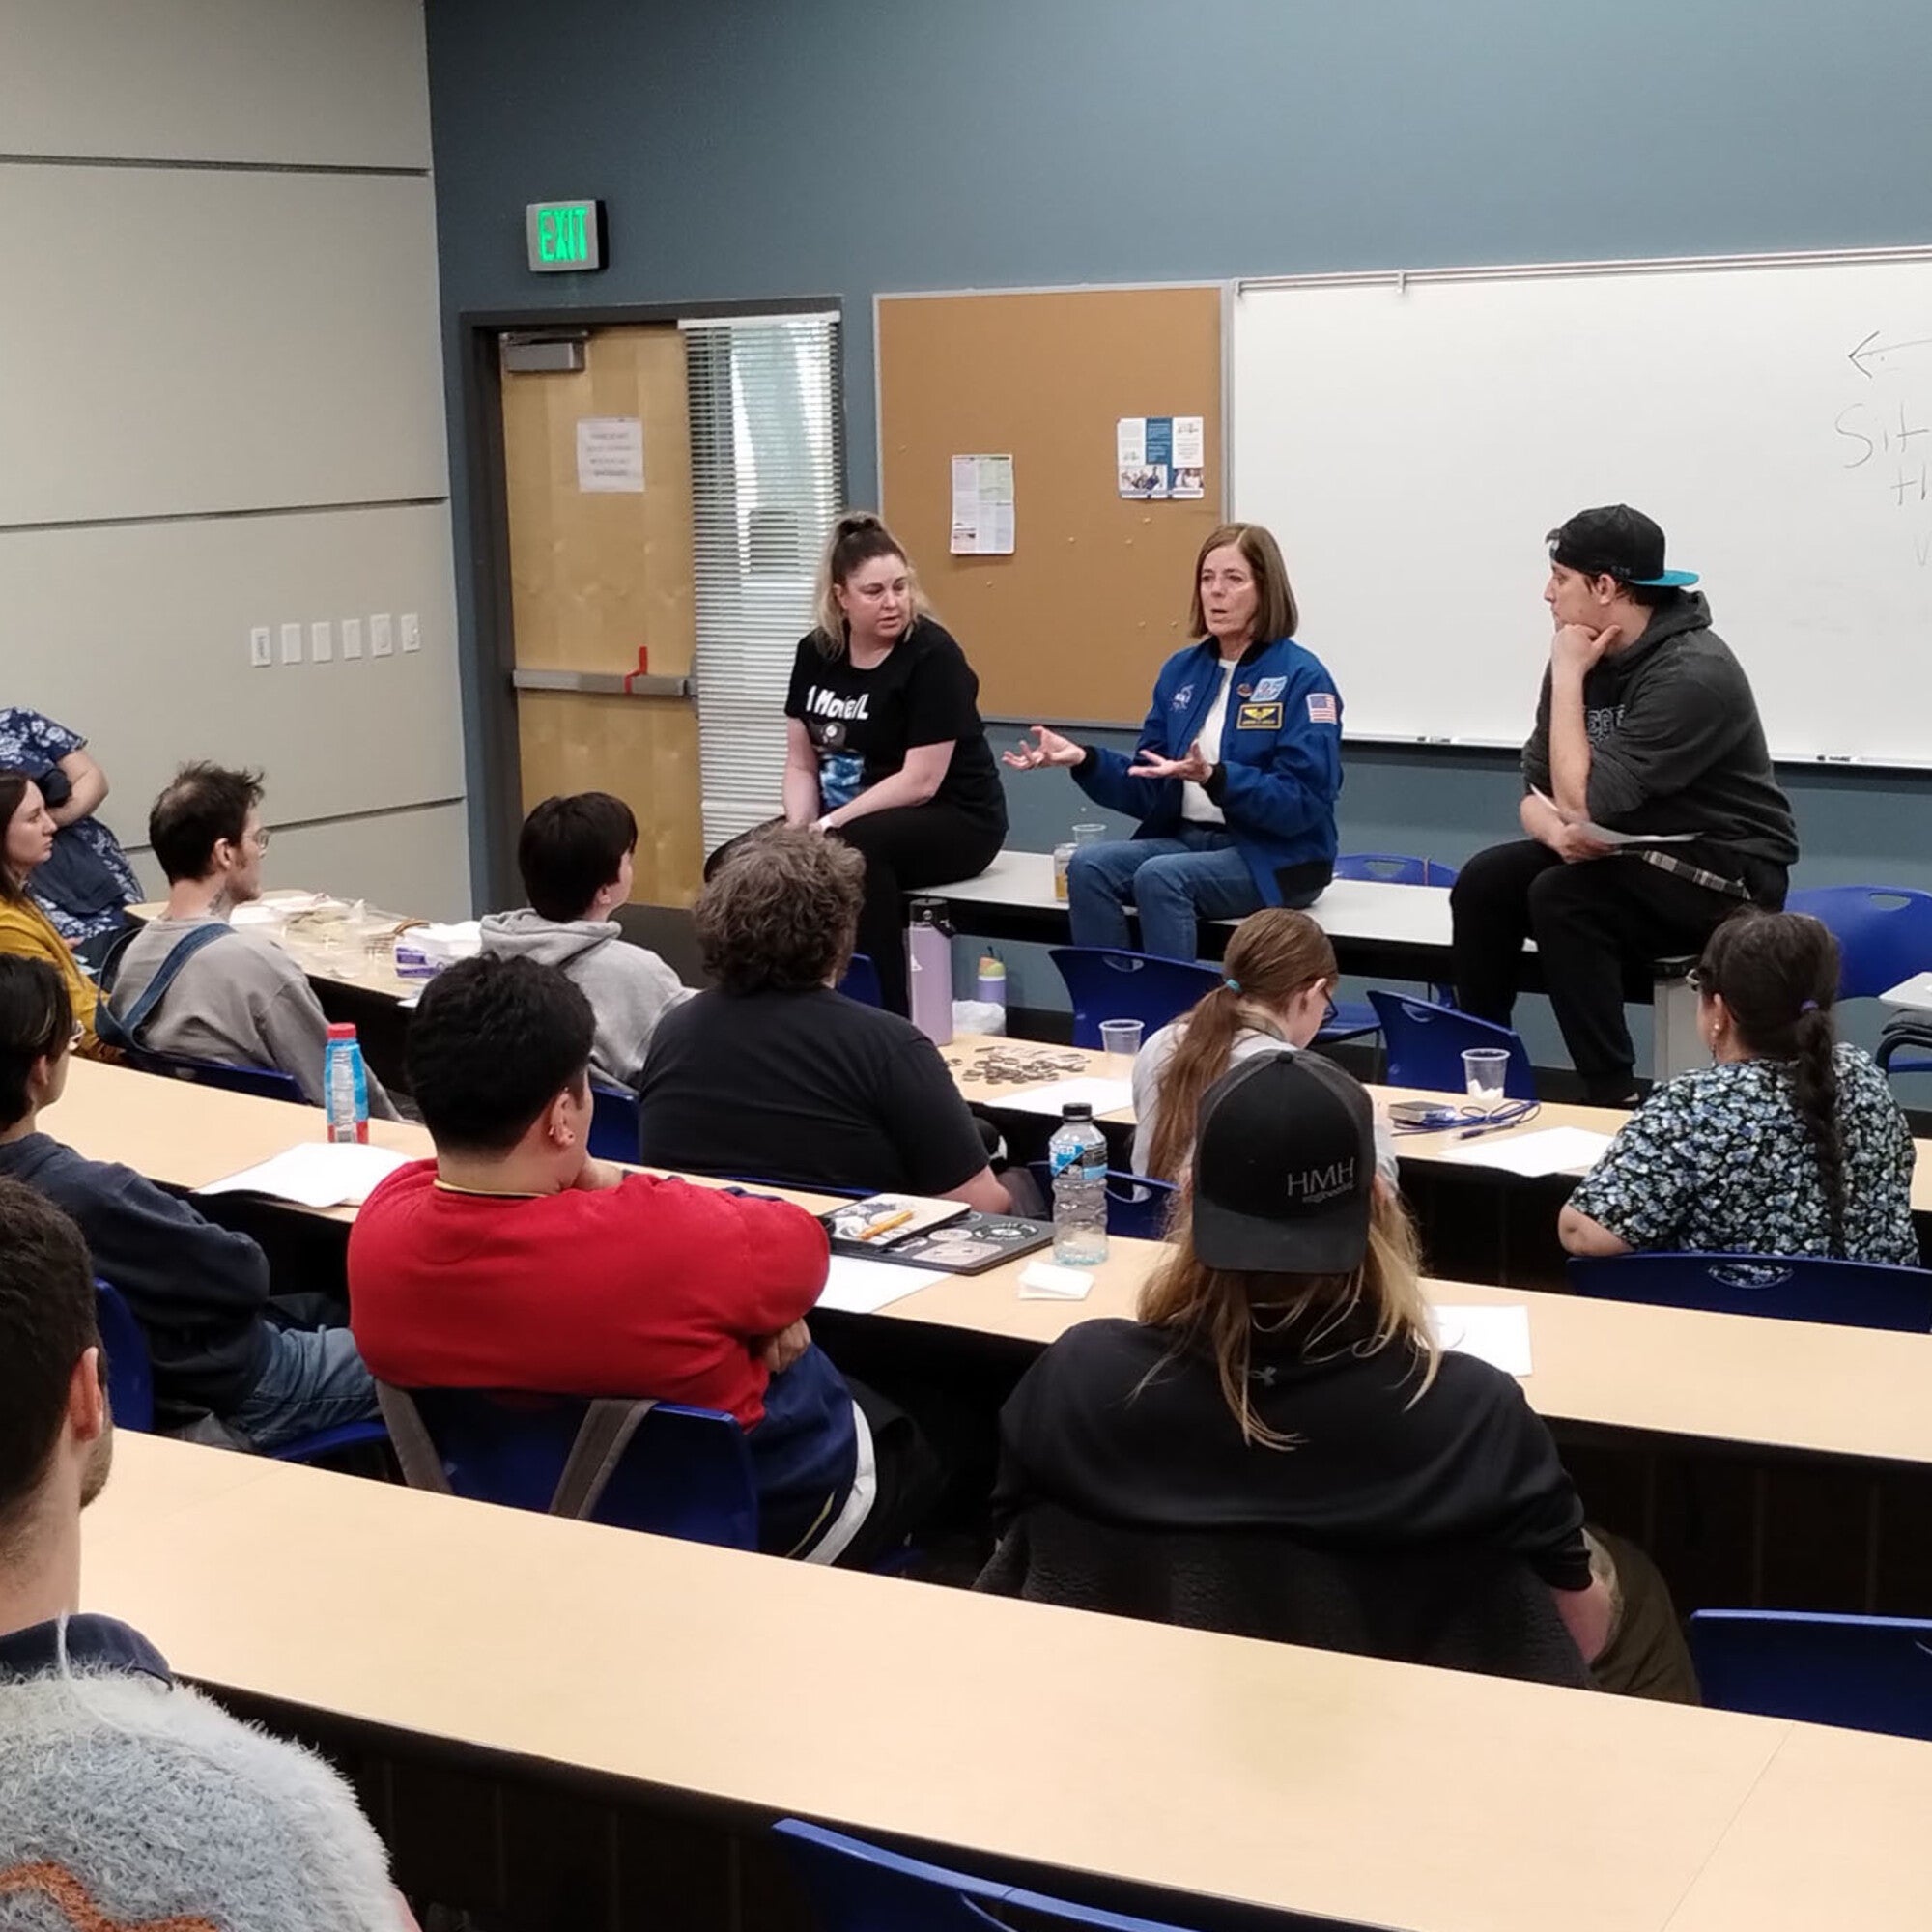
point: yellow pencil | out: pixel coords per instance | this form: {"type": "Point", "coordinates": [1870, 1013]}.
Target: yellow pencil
{"type": "Point", "coordinates": [886, 1226]}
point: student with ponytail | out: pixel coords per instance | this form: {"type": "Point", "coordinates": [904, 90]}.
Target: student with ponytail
{"type": "Point", "coordinates": [1788, 1144]}
{"type": "Point", "coordinates": [1278, 974]}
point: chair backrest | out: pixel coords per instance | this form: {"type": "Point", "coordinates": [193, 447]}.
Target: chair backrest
{"type": "Point", "coordinates": [1137, 1206]}
{"type": "Point", "coordinates": [686, 1472]}
{"type": "Point", "coordinates": [1425, 1043]}
{"type": "Point", "coordinates": [858, 1888]}
{"type": "Point", "coordinates": [1884, 933]}
{"type": "Point", "coordinates": [861, 982]}
{"type": "Point", "coordinates": [1853, 1295]}
{"type": "Point", "coordinates": [1862, 1673]}
{"type": "Point", "coordinates": [131, 1373]}
{"type": "Point", "coordinates": [613, 1123]}
{"type": "Point", "coordinates": [1106, 984]}
{"type": "Point", "coordinates": [263, 1083]}
{"type": "Point", "coordinates": [1394, 868]}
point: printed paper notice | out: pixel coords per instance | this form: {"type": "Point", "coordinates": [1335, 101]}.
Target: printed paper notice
{"type": "Point", "coordinates": [611, 455]}
{"type": "Point", "coordinates": [1161, 457]}
{"type": "Point", "coordinates": [982, 506]}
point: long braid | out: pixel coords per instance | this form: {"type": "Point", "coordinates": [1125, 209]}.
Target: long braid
{"type": "Point", "coordinates": [1814, 1092]}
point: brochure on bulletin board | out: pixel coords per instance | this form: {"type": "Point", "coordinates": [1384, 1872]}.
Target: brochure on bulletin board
{"type": "Point", "coordinates": [1161, 458]}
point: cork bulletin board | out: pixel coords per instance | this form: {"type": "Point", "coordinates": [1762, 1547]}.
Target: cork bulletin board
{"type": "Point", "coordinates": [1074, 624]}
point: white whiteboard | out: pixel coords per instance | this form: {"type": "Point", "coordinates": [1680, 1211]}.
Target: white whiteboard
{"type": "Point", "coordinates": [1410, 442]}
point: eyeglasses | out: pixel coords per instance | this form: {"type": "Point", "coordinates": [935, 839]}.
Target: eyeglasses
{"type": "Point", "coordinates": [1699, 981]}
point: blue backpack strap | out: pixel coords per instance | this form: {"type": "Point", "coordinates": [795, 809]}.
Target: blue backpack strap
{"type": "Point", "coordinates": [124, 1030]}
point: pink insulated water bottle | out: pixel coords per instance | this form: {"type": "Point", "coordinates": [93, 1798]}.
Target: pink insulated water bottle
{"type": "Point", "coordinates": [929, 962]}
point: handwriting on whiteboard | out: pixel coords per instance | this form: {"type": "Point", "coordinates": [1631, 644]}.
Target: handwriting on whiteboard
{"type": "Point", "coordinates": [1886, 433]}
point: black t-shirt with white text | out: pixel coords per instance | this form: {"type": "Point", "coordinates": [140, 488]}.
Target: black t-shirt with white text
{"type": "Point", "coordinates": [810, 1089]}
{"type": "Point", "coordinates": [862, 723]}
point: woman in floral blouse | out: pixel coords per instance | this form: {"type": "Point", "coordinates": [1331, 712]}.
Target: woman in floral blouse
{"type": "Point", "coordinates": [85, 888]}
{"type": "Point", "coordinates": [1789, 1143]}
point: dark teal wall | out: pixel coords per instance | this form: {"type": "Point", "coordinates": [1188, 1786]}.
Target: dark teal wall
{"type": "Point", "coordinates": [780, 148]}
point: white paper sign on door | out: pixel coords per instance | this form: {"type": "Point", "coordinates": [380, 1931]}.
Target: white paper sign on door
{"type": "Point", "coordinates": [611, 454]}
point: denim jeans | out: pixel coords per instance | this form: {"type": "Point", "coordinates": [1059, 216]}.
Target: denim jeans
{"type": "Point", "coordinates": [1199, 873]}
{"type": "Point", "coordinates": [314, 1380]}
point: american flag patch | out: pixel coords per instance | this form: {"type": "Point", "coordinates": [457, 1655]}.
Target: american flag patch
{"type": "Point", "coordinates": [1321, 708]}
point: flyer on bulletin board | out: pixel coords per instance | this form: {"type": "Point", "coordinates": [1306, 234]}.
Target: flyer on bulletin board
{"type": "Point", "coordinates": [982, 506]}
{"type": "Point", "coordinates": [1161, 458]}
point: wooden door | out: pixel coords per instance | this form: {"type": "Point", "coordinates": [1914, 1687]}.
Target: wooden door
{"type": "Point", "coordinates": [599, 571]}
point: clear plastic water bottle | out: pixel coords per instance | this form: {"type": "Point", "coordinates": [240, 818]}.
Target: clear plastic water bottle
{"type": "Point", "coordinates": [344, 1086]}
{"type": "Point", "coordinates": [1078, 1155]}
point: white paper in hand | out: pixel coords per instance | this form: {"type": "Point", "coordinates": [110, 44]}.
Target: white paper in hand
{"type": "Point", "coordinates": [316, 1174]}
{"type": "Point", "coordinates": [1497, 1334]}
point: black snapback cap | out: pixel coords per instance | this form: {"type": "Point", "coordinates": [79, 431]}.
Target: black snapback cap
{"type": "Point", "coordinates": [1616, 541]}
{"type": "Point", "coordinates": [1283, 1166]}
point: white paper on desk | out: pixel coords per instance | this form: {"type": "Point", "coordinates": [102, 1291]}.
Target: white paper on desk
{"type": "Point", "coordinates": [1549, 1151]}
{"type": "Point", "coordinates": [1051, 1281]}
{"type": "Point", "coordinates": [1106, 1096]}
{"type": "Point", "coordinates": [316, 1174]}
{"type": "Point", "coordinates": [857, 1286]}
{"type": "Point", "coordinates": [1497, 1334]}
{"type": "Point", "coordinates": [1604, 836]}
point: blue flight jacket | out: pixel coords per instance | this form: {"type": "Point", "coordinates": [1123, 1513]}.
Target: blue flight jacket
{"type": "Point", "coordinates": [1280, 769]}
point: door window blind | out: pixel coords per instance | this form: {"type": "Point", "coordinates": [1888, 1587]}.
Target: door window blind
{"type": "Point", "coordinates": [767, 465]}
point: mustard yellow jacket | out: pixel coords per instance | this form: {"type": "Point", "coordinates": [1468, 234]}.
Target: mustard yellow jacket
{"type": "Point", "coordinates": [27, 932]}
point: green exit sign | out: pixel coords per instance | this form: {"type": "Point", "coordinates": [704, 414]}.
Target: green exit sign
{"type": "Point", "coordinates": [564, 237]}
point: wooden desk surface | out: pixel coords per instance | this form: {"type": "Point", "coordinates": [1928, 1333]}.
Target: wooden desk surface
{"type": "Point", "coordinates": [349, 962]}
{"type": "Point", "coordinates": [1673, 1371]}
{"type": "Point", "coordinates": [965, 1058]}
{"type": "Point", "coordinates": [1280, 1777]}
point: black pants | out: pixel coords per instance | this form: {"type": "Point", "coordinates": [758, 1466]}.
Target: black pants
{"type": "Point", "coordinates": [1593, 922]}
{"type": "Point", "coordinates": [913, 1473]}
{"type": "Point", "coordinates": [906, 848]}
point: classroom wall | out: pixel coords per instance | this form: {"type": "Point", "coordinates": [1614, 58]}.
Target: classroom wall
{"type": "Point", "coordinates": [747, 149]}
{"type": "Point", "coordinates": [220, 408]}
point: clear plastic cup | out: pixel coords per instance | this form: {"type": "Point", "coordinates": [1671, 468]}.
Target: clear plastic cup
{"type": "Point", "coordinates": [1090, 831]}
{"type": "Point", "coordinates": [1121, 1036]}
{"type": "Point", "coordinates": [1484, 1071]}
{"type": "Point", "coordinates": [1063, 857]}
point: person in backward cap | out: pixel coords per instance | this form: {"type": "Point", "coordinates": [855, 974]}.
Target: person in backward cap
{"type": "Point", "coordinates": [1284, 1373]}
{"type": "Point", "coordinates": [1646, 725]}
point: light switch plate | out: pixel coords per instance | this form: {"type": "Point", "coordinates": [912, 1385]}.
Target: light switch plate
{"type": "Point", "coordinates": [261, 646]}
{"type": "Point", "coordinates": [322, 641]}
{"type": "Point", "coordinates": [381, 642]}
{"type": "Point", "coordinates": [412, 629]}
{"type": "Point", "coordinates": [352, 636]}
{"type": "Point", "coordinates": [292, 644]}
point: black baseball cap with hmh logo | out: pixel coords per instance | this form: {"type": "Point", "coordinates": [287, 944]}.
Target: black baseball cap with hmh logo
{"type": "Point", "coordinates": [1616, 541]}
{"type": "Point", "coordinates": [1284, 1165]}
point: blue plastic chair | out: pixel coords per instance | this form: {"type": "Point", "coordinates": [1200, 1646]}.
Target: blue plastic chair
{"type": "Point", "coordinates": [131, 1385]}
{"type": "Point", "coordinates": [1137, 1205]}
{"type": "Point", "coordinates": [1394, 868]}
{"type": "Point", "coordinates": [1862, 1673]}
{"type": "Point", "coordinates": [1884, 933]}
{"type": "Point", "coordinates": [613, 1123]}
{"type": "Point", "coordinates": [262, 1083]}
{"type": "Point", "coordinates": [861, 982]}
{"type": "Point", "coordinates": [857, 1888]}
{"type": "Point", "coordinates": [1107, 984]}
{"type": "Point", "coordinates": [1853, 1295]}
{"type": "Point", "coordinates": [687, 1473]}
{"type": "Point", "coordinates": [1426, 1043]}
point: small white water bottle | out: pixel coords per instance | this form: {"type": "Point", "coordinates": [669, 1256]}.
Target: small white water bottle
{"type": "Point", "coordinates": [1077, 1157]}
{"type": "Point", "coordinates": [344, 1086]}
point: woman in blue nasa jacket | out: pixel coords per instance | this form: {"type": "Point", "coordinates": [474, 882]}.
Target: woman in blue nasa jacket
{"type": "Point", "coordinates": [1235, 776]}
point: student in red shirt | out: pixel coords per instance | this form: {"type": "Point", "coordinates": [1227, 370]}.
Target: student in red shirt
{"type": "Point", "coordinates": [514, 1261]}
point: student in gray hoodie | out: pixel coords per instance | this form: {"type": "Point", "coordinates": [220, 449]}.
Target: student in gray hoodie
{"type": "Point", "coordinates": [575, 857]}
